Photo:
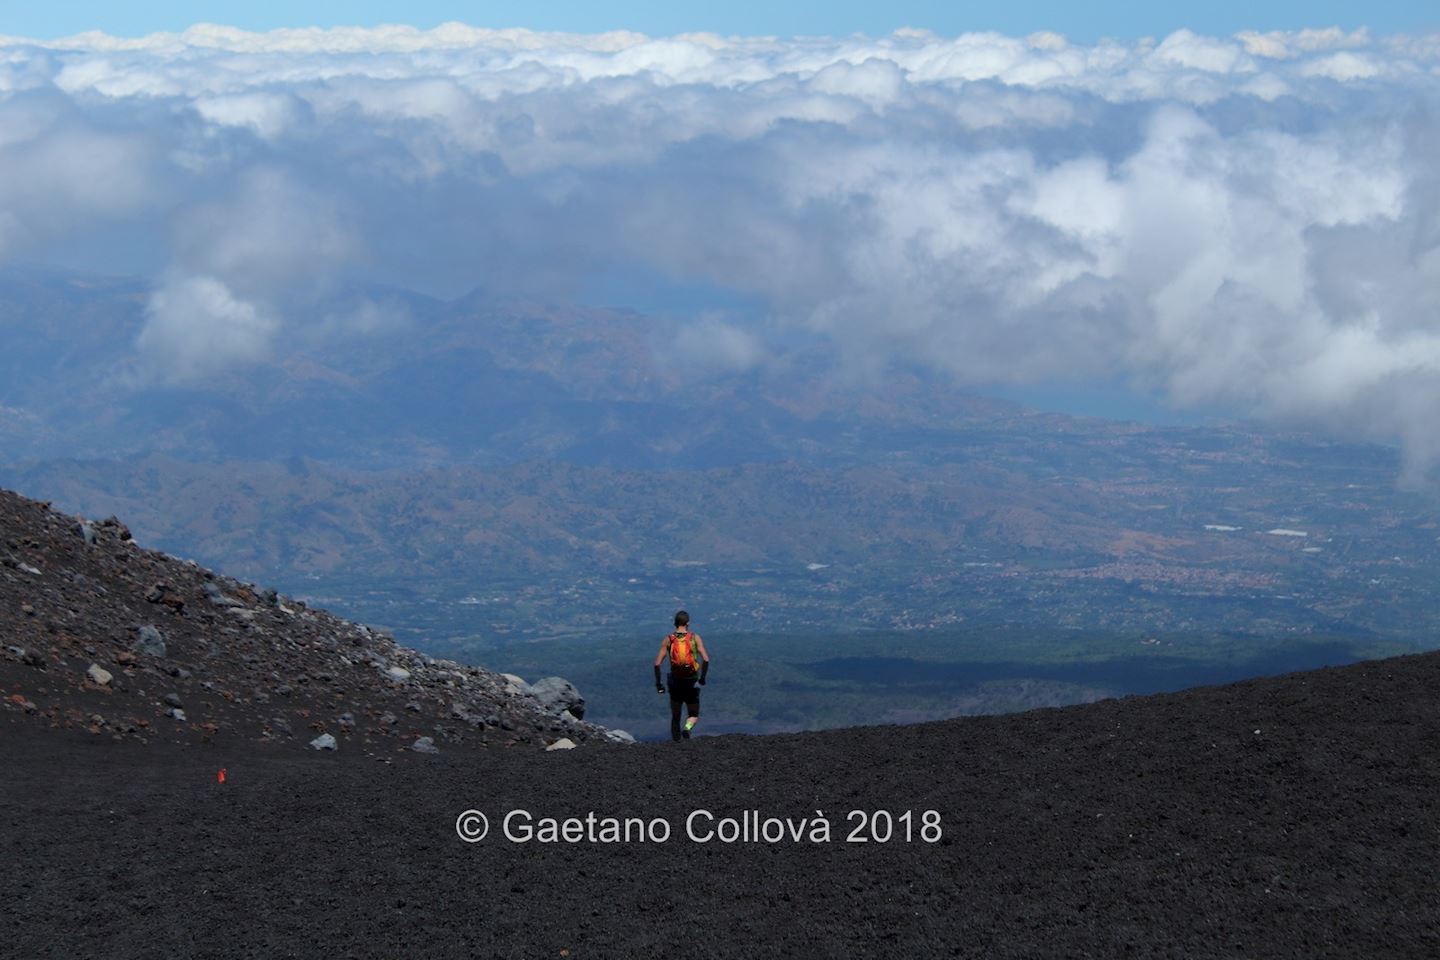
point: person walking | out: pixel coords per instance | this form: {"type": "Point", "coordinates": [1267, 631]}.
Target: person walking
{"type": "Point", "coordinates": [689, 664]}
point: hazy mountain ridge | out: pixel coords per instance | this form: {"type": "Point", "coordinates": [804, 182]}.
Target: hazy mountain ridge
{"type": "Point", "coordinates": [511, 448]}
{"type": "Point", "coordinates": [473, 380]}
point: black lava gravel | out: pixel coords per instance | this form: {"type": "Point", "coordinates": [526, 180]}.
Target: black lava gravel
{"type": "Point", "coordinates": [1286, 817]}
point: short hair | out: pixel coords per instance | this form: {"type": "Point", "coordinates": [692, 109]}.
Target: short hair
{"type": "Point", "coordinates": [682, 619]}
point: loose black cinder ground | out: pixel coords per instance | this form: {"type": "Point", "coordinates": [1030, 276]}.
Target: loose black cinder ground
{"type": "Point", "coordinates": [1290, 817]}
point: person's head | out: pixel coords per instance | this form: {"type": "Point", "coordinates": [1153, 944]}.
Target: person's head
{"type": "Point", "coordinates": [682, 619]}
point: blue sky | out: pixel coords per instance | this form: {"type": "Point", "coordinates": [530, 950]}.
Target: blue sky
{"type": "Point", "coordinates": [1082, 22]}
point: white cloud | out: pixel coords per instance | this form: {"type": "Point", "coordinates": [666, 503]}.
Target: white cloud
{"type": "Point", "coordinates": [268, 114]}
{"type": "Point", "coordinates": [1251, 221]}
{"type": "Point", "coordinates": [196, 327]}
{"type": "Point", "coordinates": [711, 345]}
{"type": "Point", "coordinates": [268, 233]}
{"type": "Point", "coordinates": [62, 173]}
{"type": "Point", "coordinates": [1185, 49]}
{"type": "Point", "coordinates": [1343, 66]}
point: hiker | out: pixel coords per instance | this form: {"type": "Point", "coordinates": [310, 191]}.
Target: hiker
{"type": "Point", "coordinates": [689, 663]}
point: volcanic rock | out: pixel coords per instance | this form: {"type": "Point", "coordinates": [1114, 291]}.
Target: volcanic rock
{"type": "Point", "coordinates": [248, 668]}
{"type": "Point", "coordinates": [557, 695]}
{"type": "Point", "coordinates": [152, 641]}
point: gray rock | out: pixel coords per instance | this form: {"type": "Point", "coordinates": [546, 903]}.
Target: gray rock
{"type": "Point", "coordinates": [218, 597]}
{"type": "Point", "coordinates": [413, 707]}
{"type": "Point", "coordinates": [99, 675]}
{"type": "Point", "coordinates": [284, 689]}
{"type": "Point", "coordinates": [564, 743]}
{"type": "Point", "coordinates": [556, 695]}
{"type": "Point", "coordinates": [152, 641]}
{"type": "Point", "coordinates": [324, 742]}
{"type": "Point", "coordinates": [28, 657]}
{"type": "Point", "coordinates": [347, 721]}
{"type": "Point", "coordinates": [424, 745]}
{"type": "Point", "coordinates": [121, 531]}
{"type": "Point", "coordinates": [176, 713]}
{"type": "Point", "coordinates": [389, 719]}
{"type": "Point", "coordinates": [398, 674]}
{"type": "Point", "coordinates": [282, 725]}
{"type": "Point", "coordinates": [619, 736]}
{"type": "Point", "coordinates": [172, 699]}
{"type": "Point", "coordinates": [87, 530]}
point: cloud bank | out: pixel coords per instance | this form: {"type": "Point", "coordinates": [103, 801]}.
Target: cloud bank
{"type": "Point", "coordinates": [1249, 222]}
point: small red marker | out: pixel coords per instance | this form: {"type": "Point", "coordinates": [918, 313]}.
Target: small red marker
{"type": "Point", "coordinates": [220, 777]}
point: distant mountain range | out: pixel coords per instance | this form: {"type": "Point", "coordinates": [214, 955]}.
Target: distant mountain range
{"type": "Point", "coordinates": [555, 467]}
{"type": "Point", "coordinates": [470, 381]}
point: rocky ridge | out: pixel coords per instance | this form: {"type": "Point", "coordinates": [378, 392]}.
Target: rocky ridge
{"type": "Point", "coordinates": [101, 634]}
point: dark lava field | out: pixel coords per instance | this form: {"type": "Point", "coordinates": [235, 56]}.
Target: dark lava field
{"type": "Point", "coordinates": [1296, 816]}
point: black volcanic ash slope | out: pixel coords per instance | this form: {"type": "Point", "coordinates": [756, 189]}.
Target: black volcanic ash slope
{"type": "Point", "coordinates": [99, 634]}
{"type": "Point", "coordinates": [1292, 817]}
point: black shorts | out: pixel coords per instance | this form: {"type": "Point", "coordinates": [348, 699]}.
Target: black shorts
{"type": "Point", "coordinates": [684, 689]}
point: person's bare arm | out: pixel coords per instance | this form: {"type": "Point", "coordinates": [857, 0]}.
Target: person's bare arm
{"type": "Point", "coordinates": [659, 659]}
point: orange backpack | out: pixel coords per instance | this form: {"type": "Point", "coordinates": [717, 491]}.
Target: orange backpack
{"type": "Point", "coordinates": [683, 659]}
